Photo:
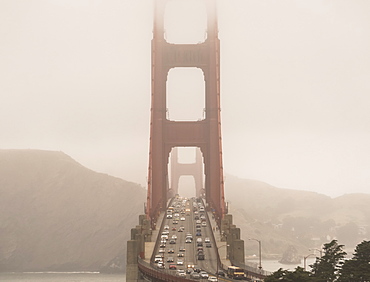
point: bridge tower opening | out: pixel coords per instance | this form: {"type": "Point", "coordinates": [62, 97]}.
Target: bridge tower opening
{"type": "Point", "coordinates": [166, 134]}
{"type": "Point", "coordinates": [186, 162]}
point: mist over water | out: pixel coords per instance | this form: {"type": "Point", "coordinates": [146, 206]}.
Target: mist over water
{"type": "Point", "coordinates": [48, 276]}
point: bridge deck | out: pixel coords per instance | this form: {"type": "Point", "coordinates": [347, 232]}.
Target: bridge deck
{"type": "Point", "coordinates": [189, 217]}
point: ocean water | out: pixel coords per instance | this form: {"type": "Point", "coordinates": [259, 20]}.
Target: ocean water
{"type": "Point", "coordinates": [61, 276]}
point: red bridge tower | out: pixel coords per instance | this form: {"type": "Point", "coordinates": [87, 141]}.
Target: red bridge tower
{"type": "Point", "coordinates": [166, 134]}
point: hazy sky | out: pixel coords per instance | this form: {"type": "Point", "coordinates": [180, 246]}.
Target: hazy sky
{"type": "Point", "coordinates": [295, 86]}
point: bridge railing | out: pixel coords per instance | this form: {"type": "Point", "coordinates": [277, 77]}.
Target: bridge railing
{"type": "Point", "coordinates": [251, 271]}
{"type": "Point", "coordinates": [161, 274]}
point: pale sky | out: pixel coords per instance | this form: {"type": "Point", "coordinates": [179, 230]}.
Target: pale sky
{"type": "Point", "coordinates": [295, 86]}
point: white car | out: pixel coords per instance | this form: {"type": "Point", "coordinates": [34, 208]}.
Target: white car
{"type": "Point", "coordinates": [182, 218]}
{"type": "Point", "coordinates": [180, 262]}
{"type": "Point", "coordinates": [212, 278]}
{"type": "Point", "coordinates": [181, 273]}
{"type": "Point", "coordinates": [203, 274]}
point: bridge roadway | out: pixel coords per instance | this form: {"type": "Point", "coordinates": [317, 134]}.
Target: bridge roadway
{"type": "Point", "coordinates": [180, 250]}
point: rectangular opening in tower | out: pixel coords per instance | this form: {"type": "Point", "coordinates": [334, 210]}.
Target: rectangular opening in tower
{"type": "Point", "coordinates": [185, 97]}
{"type": "Point", "coordinates": [186, 171]}
{"type": "Point", "coordinates": [185, 21]}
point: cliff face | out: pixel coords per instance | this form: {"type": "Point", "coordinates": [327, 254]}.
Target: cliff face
{"type": "Point", "coordinates": [57, 215]}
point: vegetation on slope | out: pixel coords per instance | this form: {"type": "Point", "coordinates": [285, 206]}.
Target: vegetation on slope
{"type": "Point", "coordinates": [57, 215]}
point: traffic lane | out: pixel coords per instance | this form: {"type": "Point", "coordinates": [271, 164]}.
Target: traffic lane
{"type": "Point", "coordinates": [209, 264]}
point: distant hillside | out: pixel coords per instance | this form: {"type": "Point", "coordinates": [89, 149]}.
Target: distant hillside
{"type": "Point", "coordinates": [57, 215]}
{"type": "Point", "coordinates": [283, 217]}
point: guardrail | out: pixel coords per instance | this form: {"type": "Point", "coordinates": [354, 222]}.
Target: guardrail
{"type": "Point", "coordinates": [162, 275]}
{"type": "Point", "coordinates": [254, 271]}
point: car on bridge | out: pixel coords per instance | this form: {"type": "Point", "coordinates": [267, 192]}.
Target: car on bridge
{"type": "Point", "coordinates": [170, 259]}
{"type": "Point", "coordinates": [181, 273]}
{"type": "Point", "coordinates": [200, 256]}
{"type": "Point", "coordinates": [172, 266]}
{"type": "Point", "coordinates": [220, 273]}
{"type": "Point", "coordinates": [180, 262]}
{"type": "Point", "coordinates": [212, 278]}
{"type": "Point", "coordinates": [158, 258]}
{"type": "Point", "coordinates": [194, 275]}
{"type": "Point", "coordinates": [203, 274]}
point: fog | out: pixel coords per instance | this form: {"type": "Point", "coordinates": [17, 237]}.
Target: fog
{"type": "Point", "coordinates": [295, 85]}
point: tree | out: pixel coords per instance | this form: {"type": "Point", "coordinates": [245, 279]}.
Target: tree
{"type": "Point", "coordinates": [299, 274]}
{"type": "Point", "coordinates": [357, 269]}
{"type": "Point", "coordinates": [326, 268]}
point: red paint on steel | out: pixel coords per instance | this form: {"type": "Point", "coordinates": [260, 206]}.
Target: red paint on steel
{"type": "Point", "coordinates": [166, 134]}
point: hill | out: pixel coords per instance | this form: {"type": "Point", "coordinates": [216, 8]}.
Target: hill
{"type": "Point", "coordinates": [56, 215]}
{"type": "Point", "coordinates": [282, 217]}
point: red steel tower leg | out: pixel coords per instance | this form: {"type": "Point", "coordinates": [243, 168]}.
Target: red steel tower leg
{"type": "Point", "coordinates": [166, 134]}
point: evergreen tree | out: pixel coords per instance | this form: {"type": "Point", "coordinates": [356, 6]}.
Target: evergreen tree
{"type": "Point", "coordinates": [299, 274]}
{"type": "Point", "coordinates": [326, 268]}
{"type": "Point", "coordinates": [358, 268]}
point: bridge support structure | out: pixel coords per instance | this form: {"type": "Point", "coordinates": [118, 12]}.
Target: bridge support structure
{"type": "Point", "coordinates": [180, 169]}
{"type": "Point", "coordinates": [167, 134]}
{"type": "Point", "coordinates": [232, 235]}
{"type": "Point", "coordinates": [136, 248]}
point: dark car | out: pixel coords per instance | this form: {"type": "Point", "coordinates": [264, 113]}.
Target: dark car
{"type": "Point", "coordinates": [197, 269]}
{"type": "Point", "coordinates": [220, 273]}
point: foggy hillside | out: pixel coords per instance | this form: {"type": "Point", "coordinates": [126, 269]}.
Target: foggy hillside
{"type": "Point", "coordinates": [283, 217]}
{"type": "Point", "coordinates": [57, 215]}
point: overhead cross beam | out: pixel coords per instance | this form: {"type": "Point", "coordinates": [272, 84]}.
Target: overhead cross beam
{"type": "Point", "coordinates": [166, 134]}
